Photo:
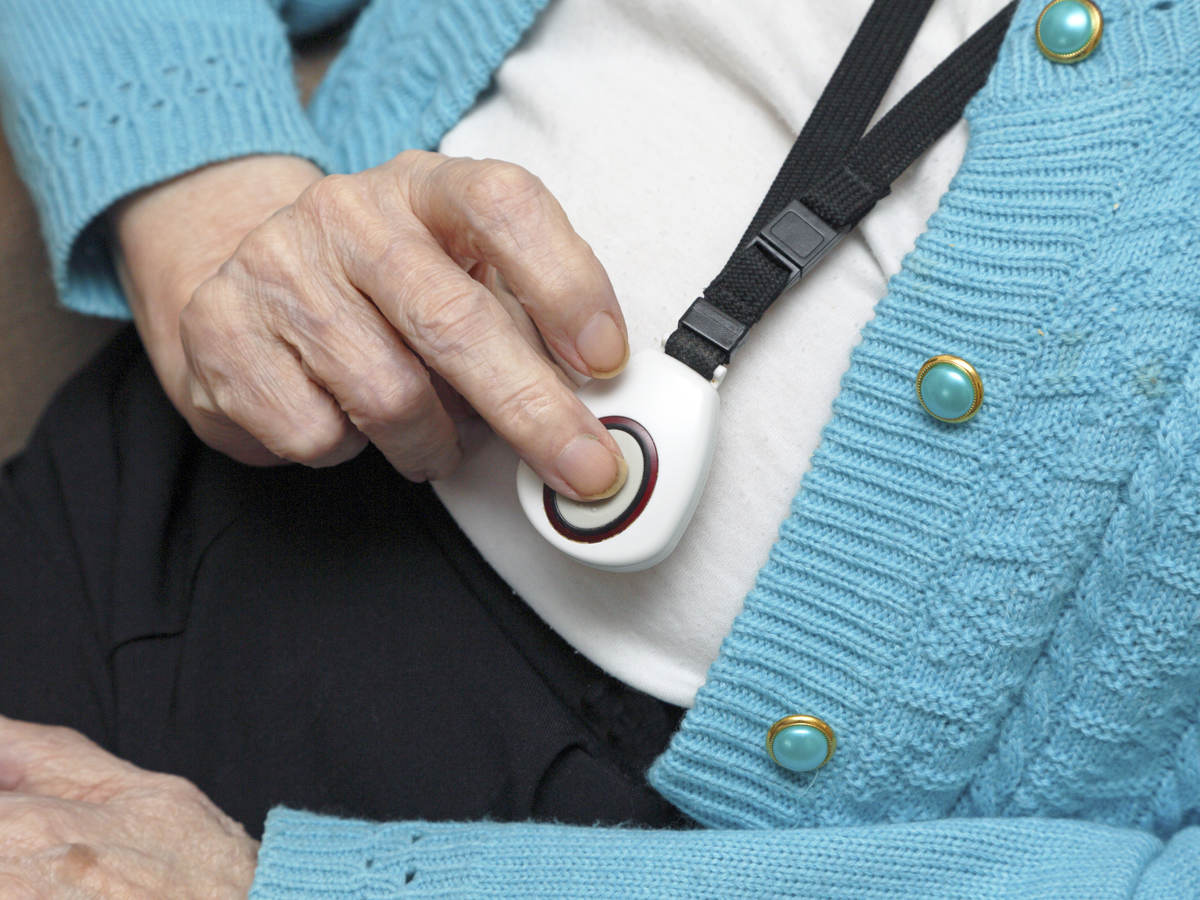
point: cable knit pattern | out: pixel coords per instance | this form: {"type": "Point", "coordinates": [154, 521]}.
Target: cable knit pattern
{"type": "Point", "coordinates": [1108, 722]}
{"type": "Point", "coordinates": [1001, 620]}
{"type": "Point", "coordinates": [927, 595]}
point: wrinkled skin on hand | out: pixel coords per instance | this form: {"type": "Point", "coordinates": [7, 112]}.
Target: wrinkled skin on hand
{"type": "Point", "coordinates": [77, 822]}
{"type": "Point", "coordinates": [295, 317]}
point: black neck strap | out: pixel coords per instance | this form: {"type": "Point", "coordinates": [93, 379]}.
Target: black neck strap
{"type": "Point", "coordinates": [834, 174]}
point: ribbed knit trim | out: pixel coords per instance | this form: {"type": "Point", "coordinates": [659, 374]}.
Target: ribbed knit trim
{"type": "Point", "coordinates": [131, 98]}
{"type": "Point", "coordinates": [305, 855]}
{"type": "Point", "coordinates": [409, 72]}
{"type": "Point", "coordinates": [924, 566]}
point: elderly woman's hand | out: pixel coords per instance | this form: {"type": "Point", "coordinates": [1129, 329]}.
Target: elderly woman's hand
{"type": "Point", "coordinates": [78, 822]}
{"type": "Point", "coordinates": [366, 307]}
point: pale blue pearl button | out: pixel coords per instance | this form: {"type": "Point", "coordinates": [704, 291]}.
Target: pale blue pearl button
{"type": "Point", "coordinates": [800, 748]}
{"type": "Point", "coordinates": [947, 391]}
{"type": "Point", "coordinates": [1068, 30]}
{"type": "Point", "coordinates": [949, 388]}
{"type": "Point", "coordinates": [800, 743]}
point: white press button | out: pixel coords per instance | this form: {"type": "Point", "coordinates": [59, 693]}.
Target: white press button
{"type": "Point", "coordinates": [599, 519]}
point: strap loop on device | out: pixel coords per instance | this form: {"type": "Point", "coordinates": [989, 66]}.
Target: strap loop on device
{"type": "Point", "coordinates": [714, 326]}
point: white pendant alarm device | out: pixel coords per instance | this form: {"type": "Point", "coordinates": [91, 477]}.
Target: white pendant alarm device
{"type": "Point", "coordinates": [663, 416]}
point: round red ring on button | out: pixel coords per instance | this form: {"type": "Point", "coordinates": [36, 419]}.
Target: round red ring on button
{"type": "Point", "coordinates": [627, 516]}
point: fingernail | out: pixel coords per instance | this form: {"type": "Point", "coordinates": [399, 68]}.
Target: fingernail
{"type": "Point", "coordinates": [602, 346]}
{"type": "Point", "coordinates": [591, 469]}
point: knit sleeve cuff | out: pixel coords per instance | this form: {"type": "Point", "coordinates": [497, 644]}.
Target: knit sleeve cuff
{"type": "Point", "coordinates": [102, 99]}
{"type": "Point", "coordinates": [306, 855]}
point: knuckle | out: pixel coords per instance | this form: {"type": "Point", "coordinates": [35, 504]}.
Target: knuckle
{"type": "Point", "coordinates": [267, 254]}
{"type": "Point", "coordinates": [274, 283]}
{"type": "Point", "coordinates": [526, 406]}
{"type": "Point", "coordinates": [223, 398]}
{"type": "Point", "coordinates": [404, 399]}
{"type": "Point", "coordinates": [335, 200]}
{"type": "Point", "coordinates": [199, 399]}
{"type": "Point", "coordinates": [409, 159]}
{"type": "Point", "coordinates": [265, 279]}
{"type": "Point", "coordinates": [218, 399]}
{"type": "Point", "coordinates": [446, 316]}
{"type": "Point", "coordinates": [62, 737]}
{"type": "Point", "coordinates": [219, 342]}
{"type": "Point", "coordinates": [209, 320]}
{"type": "Point", "coordinates": [313, 444]}
{"type": "Point", "coordinates": [311, 323]}
{"type": "Point", "coordinates": [376, 244]}
{"type": "Point", "coordinates": [194, 317]}
{"type": "Point", "coordinates": [211, 385]}
{"type": "Point", "coordinates": [175, 788]}
{"type": "Point", "coordinates": [351, 223]}
{"type": "Point", "coordinates": [269, 287]}
{"type": "Point", "coordinates": [497, 193]}
{"type": "Point", "coordinates": [209, 296]}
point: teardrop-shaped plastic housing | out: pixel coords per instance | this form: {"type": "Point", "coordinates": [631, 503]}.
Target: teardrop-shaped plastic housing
{"type": "Point", "coordinates": [677, 409]}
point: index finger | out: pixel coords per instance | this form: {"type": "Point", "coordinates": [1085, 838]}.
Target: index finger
{"type": "Point", "coordinates": [463, 332]}
{"type": "Point", "coordinates": [504, 215]}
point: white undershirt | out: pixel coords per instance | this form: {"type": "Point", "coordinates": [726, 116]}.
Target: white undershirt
{"type": "Point", "coordinates": [659, 125]}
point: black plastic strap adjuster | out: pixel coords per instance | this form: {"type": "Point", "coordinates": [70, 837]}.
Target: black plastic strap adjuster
{"type": "Point", "coordinates": [714, 326]}
{"type": "Point", "coordinates": [798, 239]}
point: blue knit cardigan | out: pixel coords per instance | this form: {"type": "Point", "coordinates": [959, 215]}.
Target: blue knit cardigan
{"type": "Point", "coordinates": [1000, 620]}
